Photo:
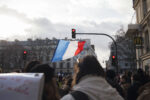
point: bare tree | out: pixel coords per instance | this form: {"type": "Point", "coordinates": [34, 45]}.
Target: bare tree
{"type": "Point", "coordinates": [11, 55]}
{"type": "Point", "coordinates": [126, 49]}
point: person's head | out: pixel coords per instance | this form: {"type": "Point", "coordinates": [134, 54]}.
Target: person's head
{"type": "Point", "coordinates": [88, 65]}
{"type": "Point", "coordinates": [123, 79]}
{"type": "Point", "coordinates": [30, 65]}
{"type": "Point", "coordinates": [50, 87]}
{"type": "Point", "coordinates": [129, 73]}
{"type": "Point", "coordinates": [140, 72]}
{"type": "Point", "coordinates": [135, 78]}
{"type": "Point", "coordinates": [110, 74]}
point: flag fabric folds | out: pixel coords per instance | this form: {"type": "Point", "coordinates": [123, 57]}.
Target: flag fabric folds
{"type": "Point", "coordinates": [67, 49]}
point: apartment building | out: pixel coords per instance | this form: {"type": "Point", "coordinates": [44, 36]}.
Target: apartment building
{"type": "Point", "coordinates": [142, 30]}
{"type": "Point", "coordinates": [11, 54]}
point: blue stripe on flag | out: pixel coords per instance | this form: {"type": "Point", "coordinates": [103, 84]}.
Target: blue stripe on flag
{"type": "Point", "coordinates": [61, 49]}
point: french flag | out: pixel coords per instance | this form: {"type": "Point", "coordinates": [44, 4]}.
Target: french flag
{"type": "Point", "coordinates": [67, 49]}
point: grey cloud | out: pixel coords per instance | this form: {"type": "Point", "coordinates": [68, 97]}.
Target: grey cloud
{"type": "Point", "coordinates": [43, 27]}
{"type": "Point", "coordinates": [38, 25]}
{"type": "Point", "coordinates": [13, 13]}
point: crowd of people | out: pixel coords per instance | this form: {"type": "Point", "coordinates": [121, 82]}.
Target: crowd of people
{"type": "Point", "coordinates": [91, 82]}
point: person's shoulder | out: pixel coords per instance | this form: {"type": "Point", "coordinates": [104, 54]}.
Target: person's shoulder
{"type": "Point", "coordinates": [67, 97]}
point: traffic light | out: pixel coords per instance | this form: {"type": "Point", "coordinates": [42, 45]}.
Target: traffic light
{"type": "Point", "coordinates": [24, 55]}
{"type": "Point", "coordinates": [73, 33]}
{"type": "Point", "coordinates": [113, 61]}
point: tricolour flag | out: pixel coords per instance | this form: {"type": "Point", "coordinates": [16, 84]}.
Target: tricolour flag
{"type": "Point", "coordinates": [67, 49]}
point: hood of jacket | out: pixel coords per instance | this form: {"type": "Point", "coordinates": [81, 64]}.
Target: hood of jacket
{"type": "Point", "coordinates": [97, 88]}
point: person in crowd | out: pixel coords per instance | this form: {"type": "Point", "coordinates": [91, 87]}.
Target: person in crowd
{"type": "Point", "coordinates": [129, 74]}
{"type": "Point", "coordinates": [138, 80]}
{"type": "Point", "coordinates": [143, 78]}
{"type": "Point", "coordinates": [89, 82]}
{"type": "Point", "coordinates": [144, 92]}
{"type": "Point", "coordinates": [132, 92]}
{"type": "Point", "coordinates": [125, 84]}
{"type": "Point", "coordinates": [111, 79]}
{"type": "Point", "coordinates": [30, 65]}
{"type": "Point", "coordinates": [66, 87]}
{"type": "Point", "coordinates": [50, 88]}
{"type": "Point", "coordinates": [67, 83]}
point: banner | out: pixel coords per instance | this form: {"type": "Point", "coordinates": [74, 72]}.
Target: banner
{"type": "Point", "coordinates": [21, 86]}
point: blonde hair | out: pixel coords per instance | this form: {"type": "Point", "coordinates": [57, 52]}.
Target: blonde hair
{"type": "Point", "coordinates": [51, 90]}
{"type": "Point", "coordinates": [76, 69]}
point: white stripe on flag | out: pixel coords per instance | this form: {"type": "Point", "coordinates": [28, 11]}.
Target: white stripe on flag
{"type": "Point", "coordinates": [70, 52]}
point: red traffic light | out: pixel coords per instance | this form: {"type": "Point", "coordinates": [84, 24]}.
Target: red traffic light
{"type": "Point", "coordinates": [73, 30]}
{"type": "Point", "coordinates": [113, 61]}
{"type": "Point", "coordinates": [113, 57]}
{"type": "Point", "coordinates": [73, 33]}
{"type": "Point", "coordinates": [25, 52]}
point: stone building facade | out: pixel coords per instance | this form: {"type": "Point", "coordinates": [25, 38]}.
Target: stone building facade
{"type": "Point", "coordinates": [141, 29]}
{"type": "Point", "coordinates": [11, 54]}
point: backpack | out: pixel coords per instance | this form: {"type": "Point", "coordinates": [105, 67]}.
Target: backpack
{"type": "Point", "coordinates": [78, 95]}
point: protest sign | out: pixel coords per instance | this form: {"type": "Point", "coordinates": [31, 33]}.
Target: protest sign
{"type": "Point", "coordinates": [21, 86]}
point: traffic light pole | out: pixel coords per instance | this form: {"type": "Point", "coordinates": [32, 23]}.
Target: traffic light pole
{"type": "Point", "coordinates": [109, 37]}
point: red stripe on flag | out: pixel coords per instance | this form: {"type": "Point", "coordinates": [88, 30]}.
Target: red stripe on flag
{"type": "Point", "coordinates": [80, 47]}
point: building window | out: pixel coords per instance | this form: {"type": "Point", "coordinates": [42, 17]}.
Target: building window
{"type": "Point", "coordinates": [61, 65]}
{"type": "Point", "coordinates": [126, 64]}
{"type": "Point", "coordinates": [68, 59]}
{"type": "Point", "coordinates": [68, 65]}
{"type": "Point", "coordinates": [139, 15]}
{"type": "Point", "coordinates": [133, 2]}
{"type": "Point", "coordinates": [68, 71]}
{"type": "Point", "coordinates": [47, 58]}
{"type": "Point", "coordinates": [149, 22]}
{"type": "Point", "coordinates": [144, 7]}
{"type": "Point", "coordinates": [54, 65]}
{"type": "Point", "coordinates": [148, 5]}
{"type": "Point", "coordinates": [146, 41]}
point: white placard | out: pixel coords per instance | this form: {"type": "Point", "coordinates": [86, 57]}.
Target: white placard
{"type": "Point", "coordinates": [21, 86]}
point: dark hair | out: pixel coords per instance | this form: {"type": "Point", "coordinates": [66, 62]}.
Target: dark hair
{"type": "Point", "coordinates": [46, 69]}
{"type": "Point", "coordinates": [110, 74]}
{"type": "Point", "coordinates": [30, 65]}
{"type": "Point", "coordinates": [89, 65]}
{"type": "Point", "coordinates": [140, 72]}
{"type": "Point", "coordinates": [50, 89]}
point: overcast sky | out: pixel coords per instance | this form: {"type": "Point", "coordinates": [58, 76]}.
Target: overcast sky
{"type": "Point", "coordinates": [22, 19]}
